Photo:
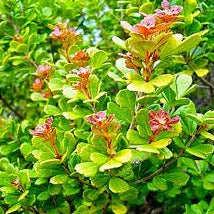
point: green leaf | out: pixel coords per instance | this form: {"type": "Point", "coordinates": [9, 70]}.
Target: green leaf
{"type": "Point", "coordinates": [162, 80]}
{"type": "Point", "coordinates": [99, 158]}
{"type": "Point", "coordinates": [121, 66]}
{"type": "Point", "coordinates": [159, 183]}
{"type": "Point", "coordinates": [148, 148]}
{"type": "Point", "coordinates": [59, 179]}
{"type": "Point", "coordinates": [56, 84]}
{"type": "Point", "coordinates": [52, 110]}
{"type": "Point", "coordinates": [147, 99]}
{"type": "Point", "coordinates": [13, 208]}
{"type": "Point", "coordinates": [24, 176]}
{"type": "Point", "coordinates": [49, 162]}
{"type": "Point", "coordinates": [100, 180]}
{"type": "Point", "coordinates": [97, 57]}
{"type": "Point", "coordinates": [115, 77]}
{"type": "Point", "coordinates": [47, 11]}
{"type": "Point", "coordinates": [147, 8]}
{"type": "Point", "coordinates": [117, 185]}
{"type": "Point", "coordinates": [161, 143]}
{"type": "Point", "coordinates": [119, 42]}
{"type": "Point", "coordinates": [177, 178]}
{"type": "Point", "coordinates": [207, 135]}
{"type": "Point", "coordinates": [43, 196]}
{"type": "Point", "coordinates": [69, 92]}
{"type": "Point", "coordinates": [141, 86]}
{"type": "Point", "coordinates": [142, 119]}
{"type": "Point", "coordinates": [168, 48]}
{"type": "Point", "coordinates": [77, 113]}
{"type": "Point", "coordinates": [23, 195]}
{"type": "Point", "coordinates": [134, 138]}
{"type": "Point", "coordinates": [183, 82]}
{"type": "Point", "coordinates": [87, 169]}
{"type": "Point", "coordinates": [165, 153]}
{"type": "Point", "coordinates": [201, 150]}
{"type": "Point", "coordinates": [122, 114]}
{"type": "Point", "coordinates": [208, 181]}
{"type": "Point", "coordinates": [94, 85]}
{"type": "Point", "coordinates": [123, 156]}
{"type": "Point", "coordinates": [169, 95]}
{"type": "Point", "coordinates": [37, 97]}
{"type": "Point", "coordinates": [137, 45]}
{"type": "Point", "coordinates": [22, 48]}
{"type": "Point", "coordinates": [189, 6]}
{"type": "Point", "coordinates": [196, 118]}
{"type": "Point", "coordinates": [119, 209]}
{"type": "Point", "coordinates": [201, 72]}
{"type": "Point", "coordinates": [126, 99]}
{"type": "Point", "coordinates": [110, 165]}
{"type": "Point", "coordinates": [189, 43]}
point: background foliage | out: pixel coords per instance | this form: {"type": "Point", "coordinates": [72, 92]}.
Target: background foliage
{"type": "Point", "coordinates": [33, 181]}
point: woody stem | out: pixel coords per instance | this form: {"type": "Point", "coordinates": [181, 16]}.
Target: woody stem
{"type": "Point", "coordinates": [109, 149]}
{"type": "Point", "coordinates": [170, 163]}
{"type": "Point", "coordinates": [87, 92]}
{"type": "Point", "coordinates": [53, 144]}
{"type": "Point", "coordinates": [153, 137]}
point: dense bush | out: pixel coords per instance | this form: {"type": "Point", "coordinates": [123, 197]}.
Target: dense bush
{"type": "Point", "coordinates": [106, 107]}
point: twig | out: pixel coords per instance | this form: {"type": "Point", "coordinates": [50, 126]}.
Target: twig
{"type": "Point", "coordinates": [168, 164]}
{"type": "Point", "coordinates": [10, 107]}
{"type": "Point", "coordinates": [211, 86]}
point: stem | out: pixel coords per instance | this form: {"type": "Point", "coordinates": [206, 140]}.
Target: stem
{"type": "Point", "coordinates": [87, 92]}
{"type": "Point", "coordinates": [206, 82]}
{"type": "Point", "coordinates": [168, 164]}
{"type": "Point", "coordinates": [53, 144]}
{"type": "Point", "coordinates": [32, 209]}
{"type": "Point", "coordinates": [52, 51]}
{"type": "Point", "coordinates": [67, 54]}
{"type": "Point", "coordinates": [10, 107]}
{"type": "Point", "coordinates": [137, 107]}
{"type": "Point", "coordinates": [109, 149]}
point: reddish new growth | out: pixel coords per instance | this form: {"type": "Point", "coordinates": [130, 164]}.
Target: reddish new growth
{"type": "Point", "coordinates": [47, 94]}
{"type": "Point", "coordinates": [168, 14]}
{"type": "Point", "coordinates": [38, 85]}
{"type": "Point", "coordinates": [44, 71]}
{"type": "Point", "coordinates": [45, 131]}
{"type": "Point", "coordinates": [146, 27]}
{"type": "Point", "coordinates": [161, 121]}
{"type": "Point", "coordinates": [48, 133]}
{"type": "Point", "coordinates": [150, 59]}
{"type": "Point", "coordinates": [67, 36]}
{"type": "Point", "coordinates": [82, 85]}
{"type": "Point", "coordinates": [80, 59]}
{"type": "Point", "coordinates": [16, 183]}
{"type": "Point", "coordinates": [101, 123]}
{"type": "Point", "coordinates": [131, 61]}
{"type": "Point", "coordinates": [157, 23]}
{"type": "Point", "coordinates": [100, 120]}
{"type": "Point", "coordinates": [62, 33]}
{"type": "Point", "coordinates": [17, 38]}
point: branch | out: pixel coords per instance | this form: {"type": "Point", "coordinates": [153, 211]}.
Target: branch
{"type": "Point", "coordinates": [206, 82]}
{"type": "Point", "coordinates": [168, 164]}
{"type": "Point", "coordinates": [10, 107]}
